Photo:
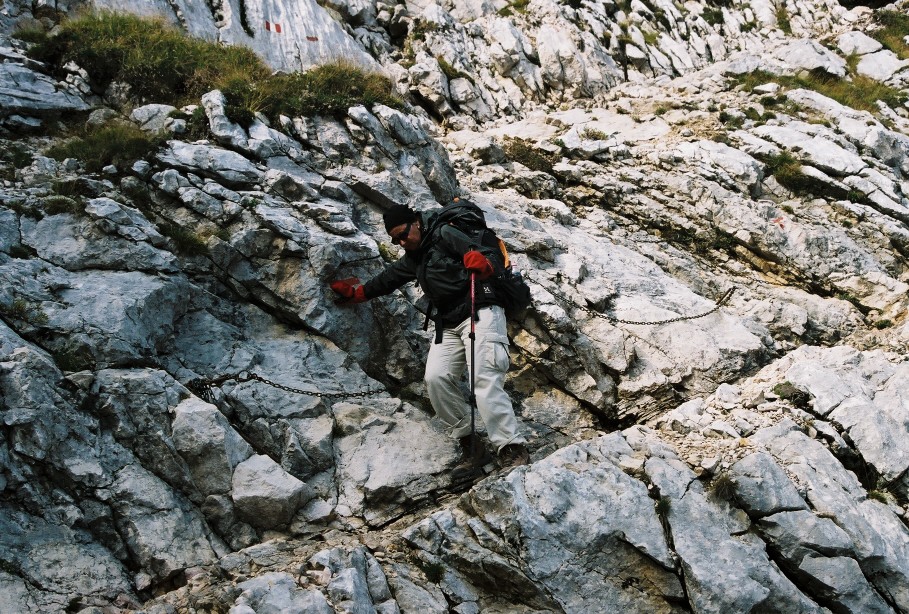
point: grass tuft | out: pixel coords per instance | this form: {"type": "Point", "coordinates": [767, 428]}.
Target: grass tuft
{"type": "Point", "coordinates": [663, 505]}
{"type": "Point", "coordinates": [116, 143]}
{"type": "Point", "coordinates": [733, 122]}
{"type": "Point", "coordinates": [713, 15]}
{"type": "Point", "coordinates": [433, 570]}
{"type": "Point", "coordinates": [15, 154]}
{"type": "Point", "coordinates": [788, 392]}
{"type": "Point", "coordinates": [782, 19]}
{"type": "Point", "coordinates": [859, 92]}
{"type": "Point", "coordinates": [879, 496]}
{"type": "Point", "coordinates": [185, 241]}
{"type": "Point", "coordinates": [855, 196]}
{"type": "Point", "coordinates": [788, 171]}
{"type": "Point", "coordinates": [24, 311]}
{"type": "Point", "coordinates": [73, 359]}
{"type": "Point", "coordinates": [157, 60]}
{"type": "Point", "coordinates": [523, 151]}
{"type": "Point", "coordinates": [893, 32]}
{"type": "Point", "coordinates": [57, 203]}
{"type": "Point", "coordinates": [450, 71]}
{"type": "Point", "coordinates": [197, 127]}
{"type": "Point", "coordinates": [772, 101]}
{"type": "Point", "coordinates": [329, 89]}
{"type": "Point", "coordinates": [723, 487]}
{"type": "Point", "coordinates": [160, 63]}
{"type": "Point", "coordinates": [520, 5]}
{"type": "Point", "coordinates": [593, 134]}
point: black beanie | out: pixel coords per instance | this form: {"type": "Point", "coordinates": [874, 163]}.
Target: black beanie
{"type": "Point", "coordinates": [397, 215]}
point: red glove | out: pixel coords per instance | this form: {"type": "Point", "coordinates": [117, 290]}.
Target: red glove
{"type": "Point", "coordinates": [349, 291]}
{"type": "Point", "coordinates": [475, 262]}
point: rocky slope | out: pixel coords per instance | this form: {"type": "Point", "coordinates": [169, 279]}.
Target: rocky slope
{"type": "Point", "coordinates": [695, 450]}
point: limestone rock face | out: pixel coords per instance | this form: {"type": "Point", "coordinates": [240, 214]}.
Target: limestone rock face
{"type": "Point", "coordinates": [711, 378]}
{"type": "Point", "coordinates": [165, 533]}
{"type": "Point", "coordinates": [27, 91]}
{"type": "Point", "coordinates": [229, 167]}
{"type": "Point", "coordinates": [593, 502]}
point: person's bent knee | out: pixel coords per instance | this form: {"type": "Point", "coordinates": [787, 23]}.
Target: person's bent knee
{"type": "Point", "coordinates": [436, 377]}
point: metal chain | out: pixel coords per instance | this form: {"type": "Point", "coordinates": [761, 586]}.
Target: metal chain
{"type": "Point", "coordinates": [719, 303]}
{"type": "Point", "coordinates": [203, 387]}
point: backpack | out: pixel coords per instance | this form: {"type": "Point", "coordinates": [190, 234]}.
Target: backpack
{"type": "Point", "coordinates": [507, 282]}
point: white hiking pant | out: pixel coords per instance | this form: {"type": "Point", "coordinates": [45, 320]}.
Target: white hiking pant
{"type": "Point", "coordinates": [446, 365]}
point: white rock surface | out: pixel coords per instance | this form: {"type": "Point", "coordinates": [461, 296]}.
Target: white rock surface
{"type": "Point", "coordinates": [308, 473]}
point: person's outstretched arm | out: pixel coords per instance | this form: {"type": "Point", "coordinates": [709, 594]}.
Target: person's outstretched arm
{"type": "Point", "coordinates": [351, 291]}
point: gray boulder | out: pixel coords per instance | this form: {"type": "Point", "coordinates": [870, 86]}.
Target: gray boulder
{"type": "Point", "coordinates": [816, 149]}
{"type": "Point", "coordinates": [120, 316]}
{"type": "Point", "coordinates": [806, 54]}
{"type": "Point", "coordinates": [882, 65]}
{"type": "Point", "coordinates": [821, 555]}
{"type": "Point", "coordinates": [225, 166]}
{"type": "Point", "coordinates": [209, 444]}
{"type": "Point", "coordinates": [264, 494]}
{"type": "Point", "coordinates": [840, 580]}
{"type": "Point", "coordinates": [27, 92]}
{"type": "Point", "coordinates": [387, 455]}
{"type": "Point", "coordinates": [36, 552]}
{"type": "Point", "coordinates": [152, 117]}
{"type": "Point", "coordinates": [356, 580]}
{"type": "Point", "coordinates": [763, 488]}
{"type": "Point", "coordinates": [275, 592]}
{"type": "Point", "coordinates": [861, 392]}
{"type": "Point", "coordinates": [801, 534]}
{"type": "Point", "coordinates": [223, 129]}
{"type": "Point", "coordinates": [858, 43]}
{"type": "Point", "coordinates": [136, 404]}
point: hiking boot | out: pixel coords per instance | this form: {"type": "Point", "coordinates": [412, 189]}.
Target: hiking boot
{"type": "Point", "coordinates": [513, 455]}
{"type": "Point", "coordinates": [474, 457]}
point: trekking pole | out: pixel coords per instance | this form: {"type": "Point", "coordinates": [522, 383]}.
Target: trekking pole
{"type": "Point", "coordinates": [473, 365]}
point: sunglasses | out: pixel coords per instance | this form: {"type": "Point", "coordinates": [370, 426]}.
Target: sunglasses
{"type": "Point", "coordinates": [402, 236]}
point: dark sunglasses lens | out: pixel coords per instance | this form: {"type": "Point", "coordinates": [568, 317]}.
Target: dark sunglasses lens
{"type": "Point", "coordinates": [402, 236]}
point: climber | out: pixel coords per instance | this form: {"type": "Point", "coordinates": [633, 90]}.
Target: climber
{"type": "Point", "coordinates": [442, 265]}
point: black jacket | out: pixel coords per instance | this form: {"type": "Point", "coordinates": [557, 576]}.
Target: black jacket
{"type": "Point", "coordinates": [438, 267]}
